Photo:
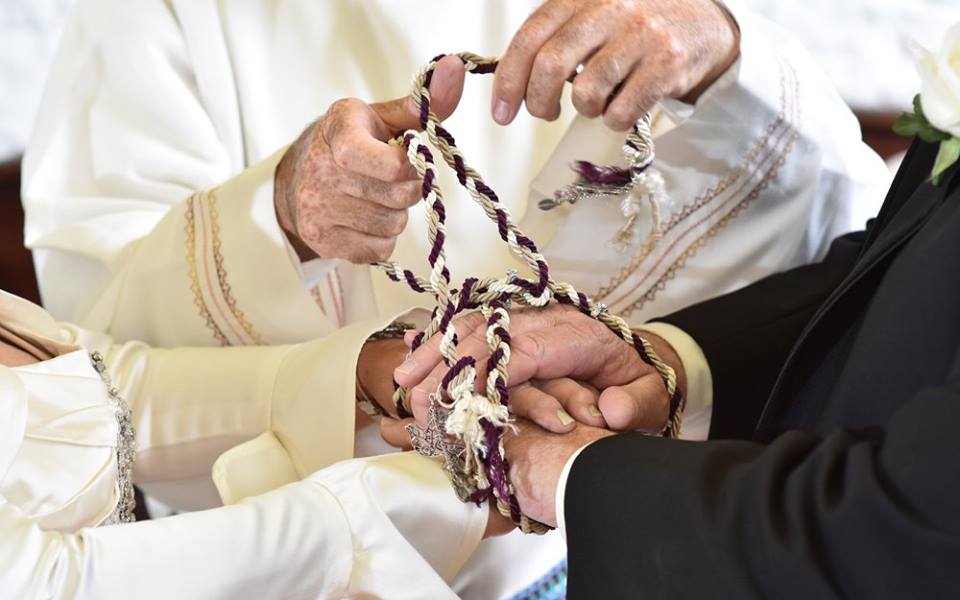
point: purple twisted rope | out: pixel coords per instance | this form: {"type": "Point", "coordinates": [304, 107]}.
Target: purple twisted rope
{"type": "Point", "coordinates": [492, 296]}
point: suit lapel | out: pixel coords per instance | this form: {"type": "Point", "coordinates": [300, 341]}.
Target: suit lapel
{"type": "Point", "coordinates": [914, 169]}
{"type": "Point", "coordinates": [905, 210]}
{"type": "Point", "coordinates": [911, 216]}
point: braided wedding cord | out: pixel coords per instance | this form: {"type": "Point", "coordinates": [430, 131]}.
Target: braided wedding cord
{"type": "Point", "coordinates": [476, 463]}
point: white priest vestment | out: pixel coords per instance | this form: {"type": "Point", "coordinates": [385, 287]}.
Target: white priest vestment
{"type": "Point", "coordinates": [148, 182]}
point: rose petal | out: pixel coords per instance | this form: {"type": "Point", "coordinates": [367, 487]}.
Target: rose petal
{"type": "Point", "coordinates": [940, 95]}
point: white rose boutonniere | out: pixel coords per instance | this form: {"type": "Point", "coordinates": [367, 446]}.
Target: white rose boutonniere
{"type": "Point", "coordinates": [936, 110]}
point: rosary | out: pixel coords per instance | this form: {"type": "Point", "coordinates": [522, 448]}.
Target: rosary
{"type": "Point", "coordinates": [465, 427]}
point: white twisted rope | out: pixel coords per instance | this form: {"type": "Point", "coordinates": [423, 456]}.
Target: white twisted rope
{"type": "Point", "coordinates": [477, 421]}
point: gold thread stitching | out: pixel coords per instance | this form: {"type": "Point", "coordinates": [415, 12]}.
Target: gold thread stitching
{"type": "Point", "coordinates": [681, 260]}
{"type": "Point", "coordinates": [222, 272]}
{"type": "Point", "coordinates": [691, 250]}
{"type": "Point", "coordinates": [702, 200]}
{"type": "Point", "coordinates": [191, 231]}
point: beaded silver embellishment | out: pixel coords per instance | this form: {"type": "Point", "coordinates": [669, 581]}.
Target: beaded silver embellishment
{"type": "Point", "coordinates": [126, 452]}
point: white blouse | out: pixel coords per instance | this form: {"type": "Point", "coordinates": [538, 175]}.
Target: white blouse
{"type": "Point", "coordinates": [343, 531]}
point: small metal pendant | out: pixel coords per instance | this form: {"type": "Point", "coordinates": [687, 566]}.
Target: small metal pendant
{"type": "Point", "coordinates": [638, 184]}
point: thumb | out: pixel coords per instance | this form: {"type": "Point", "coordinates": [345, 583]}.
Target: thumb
{"type": "Point", "coordinates": [446, 88]}
{"type": "Point", "coordinates": [640, 404]}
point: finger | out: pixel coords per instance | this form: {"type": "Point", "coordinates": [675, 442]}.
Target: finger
{"type": "Point", "coordinates": [513, 71]}
{"type": "Point", "coordinates": [584, 350]}
{"type": "Point", "coordinates": [638, 95]}
{"type": "Point", "coordinates": [393, 432]}
{"type": "Point", "coordinates": [397, 196]}
{"type": "Point", "coordinates": [664, 70]}
{"type": "Point", "coordinates": [473, 344]}
{"type": "Point", "coordinates": [471, 330]}
{"type": "Point", "coordinates": [423, 360]}
{"type": "Point", "coordinates": [606, 70]}
{"type": "Point", "coordinates": [446, 88]}
{"type": "Point", "coordinates": [410, 335]}
{"type": "Point", "coordinates": [640, 404]}
{"type": "Point", "coordinates": [357, 140]}
{"type": "Point", "coordinates": [576, 40]}
{"type": "Point", "coordinates": [578, 399]}
{"type": "Point", "coordinates": [531, 403]}
{"type": "Point", "coordinates": [351, 245]}
{"type": "Point", "coordinates": [365, 217]}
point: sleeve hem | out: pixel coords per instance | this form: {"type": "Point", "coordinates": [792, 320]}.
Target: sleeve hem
{"type": "Point", "coordinates": [696, 368]}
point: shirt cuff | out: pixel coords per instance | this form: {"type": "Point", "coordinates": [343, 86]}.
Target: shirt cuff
{"type": "Point", "coordinates": [314, 270]}
{"type": "Point", "coordinates": [699, 405]}
{"type": "Point", "coordinates": [561, 490]}
{"type": "Point", "coordinates": [311, 271]}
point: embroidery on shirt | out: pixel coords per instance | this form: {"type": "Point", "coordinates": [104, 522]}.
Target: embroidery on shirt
{"type": "Point", "coordinates": [215, 301]}
{"type": "Point", "coordinates": [222, 273]}
{"type": "Point", "coordinates": [777, 132]}
{"type": "Point", "coordinates": [192, 272]}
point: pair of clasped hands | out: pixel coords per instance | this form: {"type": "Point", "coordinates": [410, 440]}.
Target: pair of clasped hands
{"type": "Point", "coordinates": [341, 191]}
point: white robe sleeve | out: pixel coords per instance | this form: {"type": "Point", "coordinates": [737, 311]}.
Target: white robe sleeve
{"type": "Point", "coordinates": [190, 405]}
{"type": "Point", "coordinates": [144, 216]}
{"type": "Point", "coordinates": [355, 528]}
{"type": "Point", "coordinates": [351, 530]}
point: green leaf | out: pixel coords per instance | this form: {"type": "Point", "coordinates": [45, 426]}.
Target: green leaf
{"type": "Point", "coordinates": [948, 155]}
{"type": "Point", "coordinates": [916, 124]}
{"type": "Point", "coordinates": [907, 125]}
{"type": "Point", "coordinates": [931, 134]}
{"type": "Point", "coordinates": [918, 108]}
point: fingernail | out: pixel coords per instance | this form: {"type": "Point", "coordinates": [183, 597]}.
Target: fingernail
{"type": "Point", "coordinates": [409, 335]}
{"type": "Point", "coordinates": [565, 419]}
{"type": "Point", "coordinates": [594, 411]}
{"type": "Point", "coordinates": [407, 366]}
{"type": "Point", "coordinates": [501, 112]}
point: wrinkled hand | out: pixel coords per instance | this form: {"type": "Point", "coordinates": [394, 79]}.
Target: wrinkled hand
{"type": "Point", "coordinates": [634, 53]}
{"type": "Point", "coordinates": [537, 458]}
{"type": "Point", "coordinates": [341, 191]}
{"type": "Point", "coordinates": [584, 369]}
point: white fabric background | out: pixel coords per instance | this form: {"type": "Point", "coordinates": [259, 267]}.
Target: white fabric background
{"type": "Point", "coordinates": [28, 38]}
{"type": "Point", "coordinates": [864, 45]}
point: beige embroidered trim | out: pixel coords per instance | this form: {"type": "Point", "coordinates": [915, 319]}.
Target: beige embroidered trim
{"type": "Point", "coordinates": [762, 185]}
{"type": "Point", "coordinates": [681, 260]}
{"type": "Point", "coordinates": [222, 272]}
{"type": "Point", "coordinates": [193, 274]}
{"type": "Point", "coordinates": [748, 163]}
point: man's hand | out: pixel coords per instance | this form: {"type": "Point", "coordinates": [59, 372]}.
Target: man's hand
{"type": "Point", "coordinates": [537, 458]}
{"type": "Point", "coordinates": [341, 191]}
{"type": "Point", "coordinates": [633, 52]}
{"type": "Point", "coordinates": [375, 366]}
{"type": "Point", "coordinates": [582, 367]}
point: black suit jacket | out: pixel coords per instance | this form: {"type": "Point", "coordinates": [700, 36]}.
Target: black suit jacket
{"type": "Point", "coordinates": [833, 468]}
